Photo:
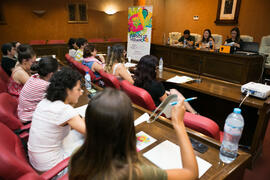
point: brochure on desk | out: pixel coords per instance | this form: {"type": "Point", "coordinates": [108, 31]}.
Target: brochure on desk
{"type": "Point", "coordinates": [166, 155]}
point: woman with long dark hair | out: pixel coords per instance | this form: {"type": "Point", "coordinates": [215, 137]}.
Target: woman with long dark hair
{"type": "Point", "coordinates": [207, 40]}
{"type": "Point", "coordinates": [235, 38]}
{"type": "Point", "coordinates": [21, 72]}
{"type": "Point", "coordinates": [145, 77]}
{"type": "Point", "coordinates": [109, 150]}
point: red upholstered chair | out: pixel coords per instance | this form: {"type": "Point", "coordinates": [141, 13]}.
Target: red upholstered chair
{"type": "Point", "coordinates": [3, 86]}
{"type": "Point", "coordinates": [109, 80]}
{"type": "Point", "coordinates": [114, 40]}
{"type": "Point", "coordinates": [198, 123]}
{"type": "Point", "coordinates": [65, 177]}
{"type": "Point", "coordinates": [56, 42]}
{"type": "Point", "coordinates": [203, 125]}
{"type": "Point", "coordinates": [81, 68]}
{"type": "Point", "coordinates": [138, 95]}
{"type": "Point", "coordinates": [3, 75]}
{"type": "Point", "coordinates": [8, 115]}
{"type": "Point", "coordinates": [69, 59]}
{"type": "Point", "coordinates": [37, 42]}
{"type": "Point", "coordinates": [96, 40]}
{"type": "Point", "coordinates": [13, 161]}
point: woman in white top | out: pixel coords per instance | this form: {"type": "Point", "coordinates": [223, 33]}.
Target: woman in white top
{"type": "Point", "coordinates": [115, 63]}
{"type": "Point", "coordinates": [72, 47]}
{"type": "Point", "coordinates": [53, 119]}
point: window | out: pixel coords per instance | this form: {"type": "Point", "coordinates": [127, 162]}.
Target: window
{"type": "Point", "coordinates": [2, 18]}
{"type": "Point", "coordinates": [77, 13]}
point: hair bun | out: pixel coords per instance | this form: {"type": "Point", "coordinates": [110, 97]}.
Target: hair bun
{"type": "Point", "coordinates": [35, 66]}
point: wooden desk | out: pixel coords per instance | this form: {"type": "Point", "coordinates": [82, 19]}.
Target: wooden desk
{"type": "Point", "coordinates": [229, 67]}
{"type": "Point", "coordinates": [163, 130]}
{"type": "Point", "coordinates": [216, 100]}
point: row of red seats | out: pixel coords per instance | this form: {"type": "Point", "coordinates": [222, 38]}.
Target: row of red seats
{"type": "Point", "coordinates": [12, 153]}
{"type": "Point", "coordinates": [96, 40]}
{"type": "Point", "coordinates": [142, 98]}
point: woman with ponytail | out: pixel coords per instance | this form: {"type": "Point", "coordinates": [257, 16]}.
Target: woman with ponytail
{"type": "Point", "coordinates": [34, 89]}
{"type": "Point", "coordinates": [21, 72]}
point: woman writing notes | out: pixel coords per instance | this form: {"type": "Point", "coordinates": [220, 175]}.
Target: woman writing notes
{"type": "Point", "coordinates": [109, 150]}
{"type": "Point", "coordinates": [145, 77]}
{"type": "Point", "coordinates": [53, 119]}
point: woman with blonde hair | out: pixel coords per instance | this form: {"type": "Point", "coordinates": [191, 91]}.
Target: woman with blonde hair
{"type": "Point", "coordinates": [115, 64]}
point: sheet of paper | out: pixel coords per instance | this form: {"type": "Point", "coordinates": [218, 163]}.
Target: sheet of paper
{"type": "Point", "coordinates": [166, 155]}
{"type": "Point", "coordinates": [81, 110]}
{"type": "Point", "coordinates": [129, 65]}
{"type": "Point", "coordinates": [180, 79]}
{"type": "Point", "coordinates": [141, 119]}
{"type": "Point", "coordinates": [144, 140]}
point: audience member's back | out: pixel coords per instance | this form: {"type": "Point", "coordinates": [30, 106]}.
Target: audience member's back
{"type": "Point", "coordinates": [35, 87]}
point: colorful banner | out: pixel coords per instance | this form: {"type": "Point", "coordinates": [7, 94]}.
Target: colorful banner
{"type": "Point", "coordinates": [139, 31]}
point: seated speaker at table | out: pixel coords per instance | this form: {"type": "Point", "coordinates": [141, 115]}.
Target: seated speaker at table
{"type": "Point", "coordinates": [187, 39]}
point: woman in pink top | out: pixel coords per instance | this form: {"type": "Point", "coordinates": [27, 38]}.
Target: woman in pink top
{"type": "Point", "coordinates": [21, 72]}
{"type": "Point", "coordinates": [34, 89]}
{"type": "Point", "coordinates": [91, 61]}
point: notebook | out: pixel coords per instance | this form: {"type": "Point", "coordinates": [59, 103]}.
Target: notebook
{"type": "Point", "coordinates": [166, 155]}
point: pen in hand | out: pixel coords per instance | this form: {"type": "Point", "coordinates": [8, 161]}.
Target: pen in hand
{"type": "Point", "coordinates": [186, 100]}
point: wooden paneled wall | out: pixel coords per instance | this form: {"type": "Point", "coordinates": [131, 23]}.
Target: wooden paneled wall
{"type": "Point", "coordinates": [23, 25]}
{"type": "Point", "coordinates": [253, 18]}
{"type": "Point", "coordinates": [168, 16]}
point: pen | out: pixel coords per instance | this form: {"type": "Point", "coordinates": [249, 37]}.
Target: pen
{"type": "Point", "coordinates": [186, 100]}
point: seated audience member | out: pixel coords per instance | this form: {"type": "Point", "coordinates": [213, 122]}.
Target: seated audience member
{"type": "Point", "coordinates": [16, 44]}
{"type": "Point", "coordinates": [145, 77]}
{"type": "Point", "coordinates": [109, 151]}
{"type": "Point", "coordinates": [72, 47]}
{"type": "Point", "coordinates": [81, 43]}
{"type": "Point", "coordinates": [89, 60]}
{"type": "Point", "coordinates": [235, 40]}
{"type": "Point", "coordinates": [53, 118]}
{"type": "Point", "coordinates": [21, 72]}
{"type": "Point", "coordinates": [190, 40]}
{"type": "Point", "coordinates": [207, 40]}
{"type": "Point", "coordinates": [34, 89]}
{"type": "Point", "coordinates": [115, 63]}
{"type": "Point", "coordinates": [8, 60]}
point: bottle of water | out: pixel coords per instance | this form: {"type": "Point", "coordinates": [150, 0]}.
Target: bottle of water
{"type": "Point", "coordinates": [160, 66]}
{"type": "Point", "coordinates": [234, 125]}
{"type": "Point", "coordinates": [87, 79]}
{"type": "Point", "coordinates": [210, 44]}
{"type": "Point", "coordinates": [185, 43]}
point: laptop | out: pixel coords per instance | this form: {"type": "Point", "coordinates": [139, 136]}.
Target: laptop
{"type": "Point", "coordinates": [249, 48]}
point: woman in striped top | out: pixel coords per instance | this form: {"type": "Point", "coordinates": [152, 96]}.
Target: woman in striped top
{"type": "Point", "coordinates": [34, 89]}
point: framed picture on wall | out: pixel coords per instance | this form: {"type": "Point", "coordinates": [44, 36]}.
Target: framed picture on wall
{"type": "Point", "coordinates": [228, 12]}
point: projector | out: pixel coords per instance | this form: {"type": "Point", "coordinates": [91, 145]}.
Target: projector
{"type": "Point", "coordinates": [256, 89]}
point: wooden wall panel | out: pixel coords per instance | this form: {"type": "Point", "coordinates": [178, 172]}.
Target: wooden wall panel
{"type": "Point", "coordinates": [23, 25]}
{"type": "Point", "coordinates": [253, 17]}
{"type": "Point", "coordinates": [168, 16]}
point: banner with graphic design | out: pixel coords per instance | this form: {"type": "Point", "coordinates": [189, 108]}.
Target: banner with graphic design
{"type": "Point", "coordinates": [139, 31]}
